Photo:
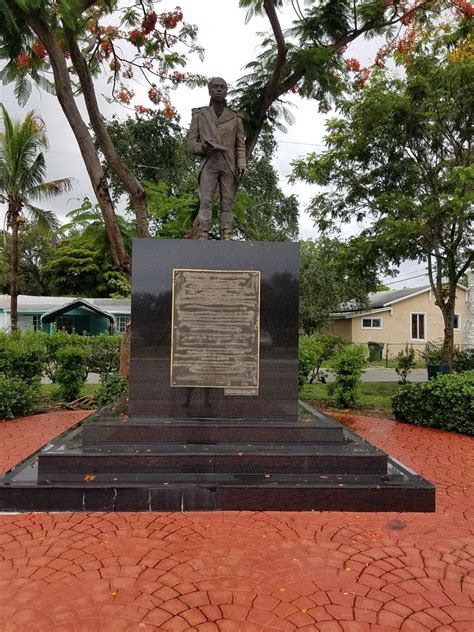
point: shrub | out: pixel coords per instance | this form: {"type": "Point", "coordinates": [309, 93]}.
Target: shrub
{"type": "Point", "coordinates": [59, 340]}
{"type": "Point", "coordinates": [17, 397]}
{"type": "Point", "coordinates": [445, 402]}
{"type": "Point", "coordinates": [112, 386]}
{"type": "Point", "coordinates": [71, 372]}
{"type": "Point", "coordinates": [22, 355]}
{"type": "Point", "coordinates": [463, 360]}
{"type": "Point", "coordinates": [105, 353]}
{"type": "Point", "coordinates": [433, 354]}
{"type": "Point", "coordinates": [405, 363]}
{"type": "Point", "coordinates": [312, 352]}
{"type": "Point", "coordinates": [348, 364]}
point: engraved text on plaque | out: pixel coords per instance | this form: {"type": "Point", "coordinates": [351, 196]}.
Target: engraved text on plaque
{"type": "Point", "coordinates": [215, 330]}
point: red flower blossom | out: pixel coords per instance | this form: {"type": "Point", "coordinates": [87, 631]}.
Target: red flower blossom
{"type": "Point", "coordinates": [136, 37]}
{"type": "Point", "coordinates": [352, 64]}
{"type": "Point", "coordinates": [39, 50]}
{"type": "Point", "coordinates": [154, 95]}
{"type": "Point", "coordinates": [149, 22]}
{"type": "Point", "coordinates": [169, 112]}
{"type": "Point", "coordinates": [23, 61]}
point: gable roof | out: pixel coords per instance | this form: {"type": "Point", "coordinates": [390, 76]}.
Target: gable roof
{"type": "Point", "coordinates": [381, 301]}
{"type": "Point", "coordinates": [49, 316]}
{"type": "Point", "coordinates": [42, 304]}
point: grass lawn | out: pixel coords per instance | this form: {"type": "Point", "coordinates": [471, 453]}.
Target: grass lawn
{"type": "Point", "coordinates": [374, 396]}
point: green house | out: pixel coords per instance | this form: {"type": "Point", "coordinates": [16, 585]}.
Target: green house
{"type": "Point", "coordinates": [89, 316]}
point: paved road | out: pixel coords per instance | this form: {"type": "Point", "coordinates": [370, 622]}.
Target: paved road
{"type": "Point", "coordinates": [380, 374]}
{"type": "Point", "coordinates": [372, 374]}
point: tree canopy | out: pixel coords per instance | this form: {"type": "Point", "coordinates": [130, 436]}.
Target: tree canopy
{"type": "Point", "coordinates": [401, 159]}
{"type": "Point", "coordinates": [332, 273]}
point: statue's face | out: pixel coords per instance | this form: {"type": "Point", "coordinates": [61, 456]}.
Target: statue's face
{"type": "Point", "coordinates": [218, 89]}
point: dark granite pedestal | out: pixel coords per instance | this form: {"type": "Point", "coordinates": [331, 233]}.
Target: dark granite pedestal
{"type": "Point", "coordinates": [213, 422]}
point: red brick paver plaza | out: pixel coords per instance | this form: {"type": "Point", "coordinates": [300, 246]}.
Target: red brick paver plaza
{"type": "Point", "coordinates": [244, 571]}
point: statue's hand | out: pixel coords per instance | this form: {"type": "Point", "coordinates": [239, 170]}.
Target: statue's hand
{"type": "Point", "coordinates": [242, 171]}
{"type": "Point", "coordinates": [206, 147]}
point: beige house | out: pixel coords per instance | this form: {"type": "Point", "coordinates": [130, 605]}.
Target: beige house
{"type": "Point", "coordinates": [400, 317]}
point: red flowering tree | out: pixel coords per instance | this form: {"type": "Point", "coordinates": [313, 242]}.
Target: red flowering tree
{"type": "Point", "coordinates": [312, 58]}
{"type": "Point", "coordinates": [75, 41]}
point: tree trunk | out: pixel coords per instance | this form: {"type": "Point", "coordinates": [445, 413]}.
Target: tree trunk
{"type": "Point", "coordinates": [124, 369]}
{"type": "Point", "coordinates": [128, 179]}
{"type": "Point", "coordinates": [13, 214]}
{"type": "Point", "coordinates": [80, 130]}
{"type": "Point", "coordinates": [448, 317]}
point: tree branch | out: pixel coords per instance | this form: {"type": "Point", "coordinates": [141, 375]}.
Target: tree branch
{"type": "Point", "coordinates": [130, 182]}
{"type": "Point", "coordinates": [80, 130]}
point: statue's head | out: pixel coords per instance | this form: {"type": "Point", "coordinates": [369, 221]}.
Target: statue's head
{"type": "Point", "coordinates": [217, 89]}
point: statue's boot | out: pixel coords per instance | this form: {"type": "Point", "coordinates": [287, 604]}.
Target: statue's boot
{"type": "Point", "coordinates": [203, 229]}
{"type": "Point", "coordinates": [226, 232]}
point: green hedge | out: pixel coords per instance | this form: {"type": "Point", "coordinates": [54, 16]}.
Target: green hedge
{"type": "Point", "coordinates": [17, 397]}
{"type": "Point", "coordinates": [447, 402]}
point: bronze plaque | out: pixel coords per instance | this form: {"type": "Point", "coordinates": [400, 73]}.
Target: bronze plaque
{"type": "Point", "coordinates": [216, 330]}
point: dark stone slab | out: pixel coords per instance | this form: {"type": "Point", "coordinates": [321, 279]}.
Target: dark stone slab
{"type": "Point", "coordinates": [208, 432]}
{"type": "Point", "coordinates": [150, 368]}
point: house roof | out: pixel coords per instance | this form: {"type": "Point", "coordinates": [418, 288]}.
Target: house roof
{"type": "Point", "coordinates": [42, 304]}
{"type": "Point", "coordinates": [381, 301]}
{"type": "Point", "coordinates": [50, 315]}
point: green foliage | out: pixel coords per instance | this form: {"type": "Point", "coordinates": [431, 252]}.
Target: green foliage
{"type": "Point", "coordinates": [17, 397]}
{"type": "Point", "coordinates": [446, 402]}
{"type": "Point", "coordinates": [35, 249]}
{"type": "Point", "coordinates": [463, 360]}
{"type": "Point", "coordinates": [267, 214]}
{"type": "Point", "coordinates": [312, 352]}
{"type": "Point", "coordinates": [23, 170]}
{"type": "Point", "coordinates": [331, 274]}
{"type": "Point", "coordinates": [104, 353]}
{"type": "Point", "coordinates": [22, 355]}
{"type": "Point", "coordinates": [405, 363]}
{"type": "Point", "coordinates": [112, 387]}
{"type": "Point", "coordinates": [170, 215]}
{"type": "Point", "coordinates": [78, 268]}
{"type": "Point", "coordinates": [57, 341]}
{"type": "Point", "coordinates": [154, 147]}
{"type": "Point", "coordinates": [71, 372]}
{"type": "Point", "coordinates": [348, 364]}
{"type": "Point", "coordinates": [432, 354]}
{"type": "Point", "coordinates": [400, 159]}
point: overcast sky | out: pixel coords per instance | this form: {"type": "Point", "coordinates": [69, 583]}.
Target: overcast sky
{"type": "Point", "coordinates": [229, 44]}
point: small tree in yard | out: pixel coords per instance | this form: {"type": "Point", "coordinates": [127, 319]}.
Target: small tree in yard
{"type": "Point", "coordinates": [348, 364]}
{"type": "Point", "coordinates": [405, 363]}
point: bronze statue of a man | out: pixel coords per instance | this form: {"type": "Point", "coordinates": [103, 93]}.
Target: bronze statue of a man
{"type": "Point", "coordinates": [217, 135]}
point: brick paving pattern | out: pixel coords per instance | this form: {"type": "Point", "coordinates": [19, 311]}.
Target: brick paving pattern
{"type": "Point", "coordinates": [249, 572]}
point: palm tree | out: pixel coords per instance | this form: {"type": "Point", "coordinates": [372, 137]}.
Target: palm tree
{"type": "Point", "coordinates": [22, 174]}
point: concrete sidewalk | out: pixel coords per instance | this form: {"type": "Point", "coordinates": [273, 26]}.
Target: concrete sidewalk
{"type": "Point", "coordinates": [246, 571]}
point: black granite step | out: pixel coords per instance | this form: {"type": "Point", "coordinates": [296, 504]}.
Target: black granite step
{"type": "Point", "coordinates": [399, 490]}
{"type": "Point", "coordinates": [351, 457]}
{"type": "Point", "coordinates": [71, 474]}
{"type": "Point", "coordinates": [210, 431]}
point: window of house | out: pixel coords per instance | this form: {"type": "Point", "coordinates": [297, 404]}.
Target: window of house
{"type": "Point", "coordinates": [37, 322]}
{"type": "Point", "coordinates": [457, 321]}
{"type": "Point", "coordinates": [66, 323]}
{"type": "Point", "coordinates": [120, 323]}
{"type": "Point", "coordinates": [371, 323]}
{"type": "Point", "coordinates": [418, 327]}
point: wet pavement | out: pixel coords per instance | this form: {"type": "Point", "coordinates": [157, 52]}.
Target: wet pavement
{"type": "Point", "coordinates": [246, 571]}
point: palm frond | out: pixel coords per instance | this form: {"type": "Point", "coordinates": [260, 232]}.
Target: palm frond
{"type": "Point", "coordinates": [47, 221]}
{"type": "Point", "coordinates": [51, 189]}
